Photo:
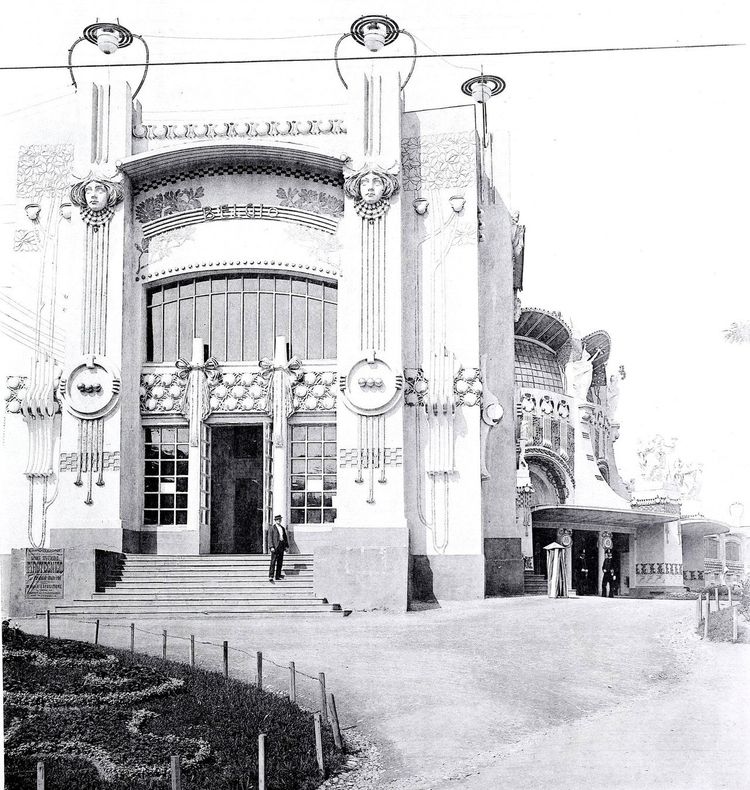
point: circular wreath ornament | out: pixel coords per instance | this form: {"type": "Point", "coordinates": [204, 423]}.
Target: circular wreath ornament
{"type": "Point", "coordinates": [91, 388]}
{"type": "Point", "coordinates": [372, 386]}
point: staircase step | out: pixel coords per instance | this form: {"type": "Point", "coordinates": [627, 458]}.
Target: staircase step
{"type": "Point", "coordinates": [182, 586]}
{"type": "Point", "coordinates": [260, 608]}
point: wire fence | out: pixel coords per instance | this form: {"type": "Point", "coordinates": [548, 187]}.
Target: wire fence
{"type": "Point", "coordinates": [703, 610]}
{"type": "Point", "coordinates": [284, 678]}
{"type": "Point", "coordinates": [307, 690]}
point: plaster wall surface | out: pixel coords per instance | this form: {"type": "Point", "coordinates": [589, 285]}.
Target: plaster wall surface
{"type": "Point", "coordinates": [441, 336]}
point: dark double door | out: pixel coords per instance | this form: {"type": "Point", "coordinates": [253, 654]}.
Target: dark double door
{"type": "Point", "coordinates": [585, 562]}
{"type": "Point", "coordinates": [237, 489]}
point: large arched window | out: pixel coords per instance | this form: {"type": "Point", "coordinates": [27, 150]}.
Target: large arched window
{"type": "Point", "coordinates": [240, 315]}
{"type": "Point", "coordinates": [537, 367]}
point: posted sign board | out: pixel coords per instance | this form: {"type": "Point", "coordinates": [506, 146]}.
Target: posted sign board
{"type": "Point", "coordinates": [44, 573]}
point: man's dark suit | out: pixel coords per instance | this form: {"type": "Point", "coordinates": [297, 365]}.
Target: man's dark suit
{"type": "Point", "coordinates": [278, 546]}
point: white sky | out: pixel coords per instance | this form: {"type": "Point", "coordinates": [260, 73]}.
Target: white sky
{"type": "Point", "coordinates": [628, 168]}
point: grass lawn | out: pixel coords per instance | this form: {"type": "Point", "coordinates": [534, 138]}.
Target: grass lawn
{"type": "Point", "coordinates": [101, 718]}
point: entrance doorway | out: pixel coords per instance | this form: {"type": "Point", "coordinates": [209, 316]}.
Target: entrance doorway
{"type": "Point", "coordinates": [541, 537]}
{"type": "Point", "coordinates": [237, 488]}
{"type": "Point", "coordinates": [585, 562]}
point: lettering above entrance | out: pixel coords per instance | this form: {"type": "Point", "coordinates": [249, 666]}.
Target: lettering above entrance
{"type": "Point", "coordinates": [246, 211]}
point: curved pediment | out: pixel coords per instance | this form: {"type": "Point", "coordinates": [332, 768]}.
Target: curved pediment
{"type": "Point", "coordinates": [170, 165]}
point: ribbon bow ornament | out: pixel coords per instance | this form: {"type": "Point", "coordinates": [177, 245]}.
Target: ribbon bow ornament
{"type": "Point", "coordinates": [281, 374]}
{"type": "Point", "coordinates": [196, 404]}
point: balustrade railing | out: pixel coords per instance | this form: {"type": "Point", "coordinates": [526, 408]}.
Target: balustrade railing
{"type": "Point", "coordinates": [545, 422]}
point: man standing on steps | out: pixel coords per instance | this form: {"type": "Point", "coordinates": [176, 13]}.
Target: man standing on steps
{"type": "Point", "coordinates": [279, 543]}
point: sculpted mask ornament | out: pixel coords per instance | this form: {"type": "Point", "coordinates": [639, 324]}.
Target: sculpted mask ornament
{"type": "Point", "coordinates": [97, 199]}
{"type": "Point", "coordinates": [371, 187]}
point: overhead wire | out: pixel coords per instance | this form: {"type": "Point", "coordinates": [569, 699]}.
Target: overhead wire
{"type": "Point", "coordinates": [380, 56]}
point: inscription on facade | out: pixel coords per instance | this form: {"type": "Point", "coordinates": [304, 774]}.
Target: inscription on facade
{"type": "Point", "coordinates": [44, 573]}
{"type": "Point", "coordinates": [239, 211]}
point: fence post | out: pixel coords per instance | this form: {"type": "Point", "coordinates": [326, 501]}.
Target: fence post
{"type": "Point", "coordinates": [718, 605]}
{"type": "Point", "coordinates": [735, 624]}
{"type": "Point", "coordinates": [226, 659]}
{"type": "Point", "coordinates": [176, 773]}
{"type": "Point", "coordinates": [192, 651]}
{"type": "Point", "coordinates": [40, 775]}
{"type": "Point", "coordinates": [292, 682]}
{"type": "Point", "coordinates": [261, 761]}
{"type": "Point", "coordinates": [708, 615]}
{"type": "Point", "coordinates": [96, 633]}
{"type": "Point", "coordinates": [259, 669]}
{"type": "Point", "coordinates": [49, 630]}
{"type": "Point", "coordinates": [698, 610]}
{"type": "Point", "coordinates": [164, 645]}
{"type": "Point", "coordinates": [323, 702]}
{"type": "Point", "coordinates": [132, 638]}
{"type": "Point", "coordinates": [335, 722]}
{"type": "Point", "coordinates": [319, 745]}
{"type": "Point", "coordinates": [729, 593]}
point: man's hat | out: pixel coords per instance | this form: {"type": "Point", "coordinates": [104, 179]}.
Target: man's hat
{"type": "Point", "coordinates": [277, 518]}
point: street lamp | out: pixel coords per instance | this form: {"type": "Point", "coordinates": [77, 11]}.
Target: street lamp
{"type": "Point", "coordinates": [108, 37]}
{"type": "Point", "coordinates": [374, 32]}
{"type": "Point", "coordinates": [482, 89]}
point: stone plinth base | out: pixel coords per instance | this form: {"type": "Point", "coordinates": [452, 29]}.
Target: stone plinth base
{"type": "Point", "coordinates": [655, 592]}
{"type": "Point", "coordinates": [84, 571]}
{"type": "Point", "coordinates": [503, 567]}
{"type": "Point", "coordinates": [96, 537]}
{"type": "Point", "coordinates": [447, 577]}
{"type": "Point", "coordinates": [364, 568]}
{"type": "Point", "coordinates": [307, 541]}
{"type": "Point", "coordinates": [184, 541]}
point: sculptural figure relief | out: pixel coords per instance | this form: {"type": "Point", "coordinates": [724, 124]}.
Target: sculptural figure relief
{"type": "Point", "coordinates": [97, 198]}
{"type": "Point", "coordinates": [371, 186]}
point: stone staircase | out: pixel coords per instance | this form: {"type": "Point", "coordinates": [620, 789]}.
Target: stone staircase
{"type": "Point", "coordinates": [146, 585]}
{"type": "Point", "coordinates": [534, 584]}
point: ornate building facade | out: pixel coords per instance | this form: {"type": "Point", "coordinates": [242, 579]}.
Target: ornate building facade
{"type": "Point", "coordinates": [316, 318]}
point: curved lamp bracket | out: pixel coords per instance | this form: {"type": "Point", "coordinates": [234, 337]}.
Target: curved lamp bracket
{"type": "Point", "coordinates": [124, 39]}
{"type": "Point", "coordinates": [388, 41]}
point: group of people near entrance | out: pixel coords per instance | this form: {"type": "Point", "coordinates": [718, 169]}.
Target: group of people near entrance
{"type": "Point", "coordinates": [585, 579]}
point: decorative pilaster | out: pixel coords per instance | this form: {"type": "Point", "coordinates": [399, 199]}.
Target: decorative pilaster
{"type": "Point", "coordinates": [281, 373]}
{"type": "Point", "coordinates": [91, 386]}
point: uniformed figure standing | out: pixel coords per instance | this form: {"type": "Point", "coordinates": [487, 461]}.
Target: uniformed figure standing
{"type": "Point", "coordinates": [609, 576]}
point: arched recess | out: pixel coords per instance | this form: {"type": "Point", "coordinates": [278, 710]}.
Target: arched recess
{"type": "Point", "coordinates": [551, 475]}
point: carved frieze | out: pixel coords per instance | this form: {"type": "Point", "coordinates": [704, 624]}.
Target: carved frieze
{"type": "Point", "coordinates": [15, 393]}
{"type": "Point", "coordinates": [26, 240]}
{"type": "Point", "coordinates": [43, 169]}
{"type": "Point", "coordinates": [658, 569]}
{"type": "Point", "coordinates": [193, 131]}
{"type": "Point", "coordinates": [315, 391]}
{"type": "Point", "coordinates": [438, 161]}
{"type": "Point", "coordinates": [162, 393]}
{"type": "Point", "coordinates": [110, 461]}
{"type": "Point", "coordinates": [311, 200]}
{"type": "Point", "coordinates": [467, 387]}
{"type": "Point", "coordinates": [239, 392]}
{"type": "Point", "coordinates": [353, 458]}
{"type": "Point", "coordinates": [416, 387]}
